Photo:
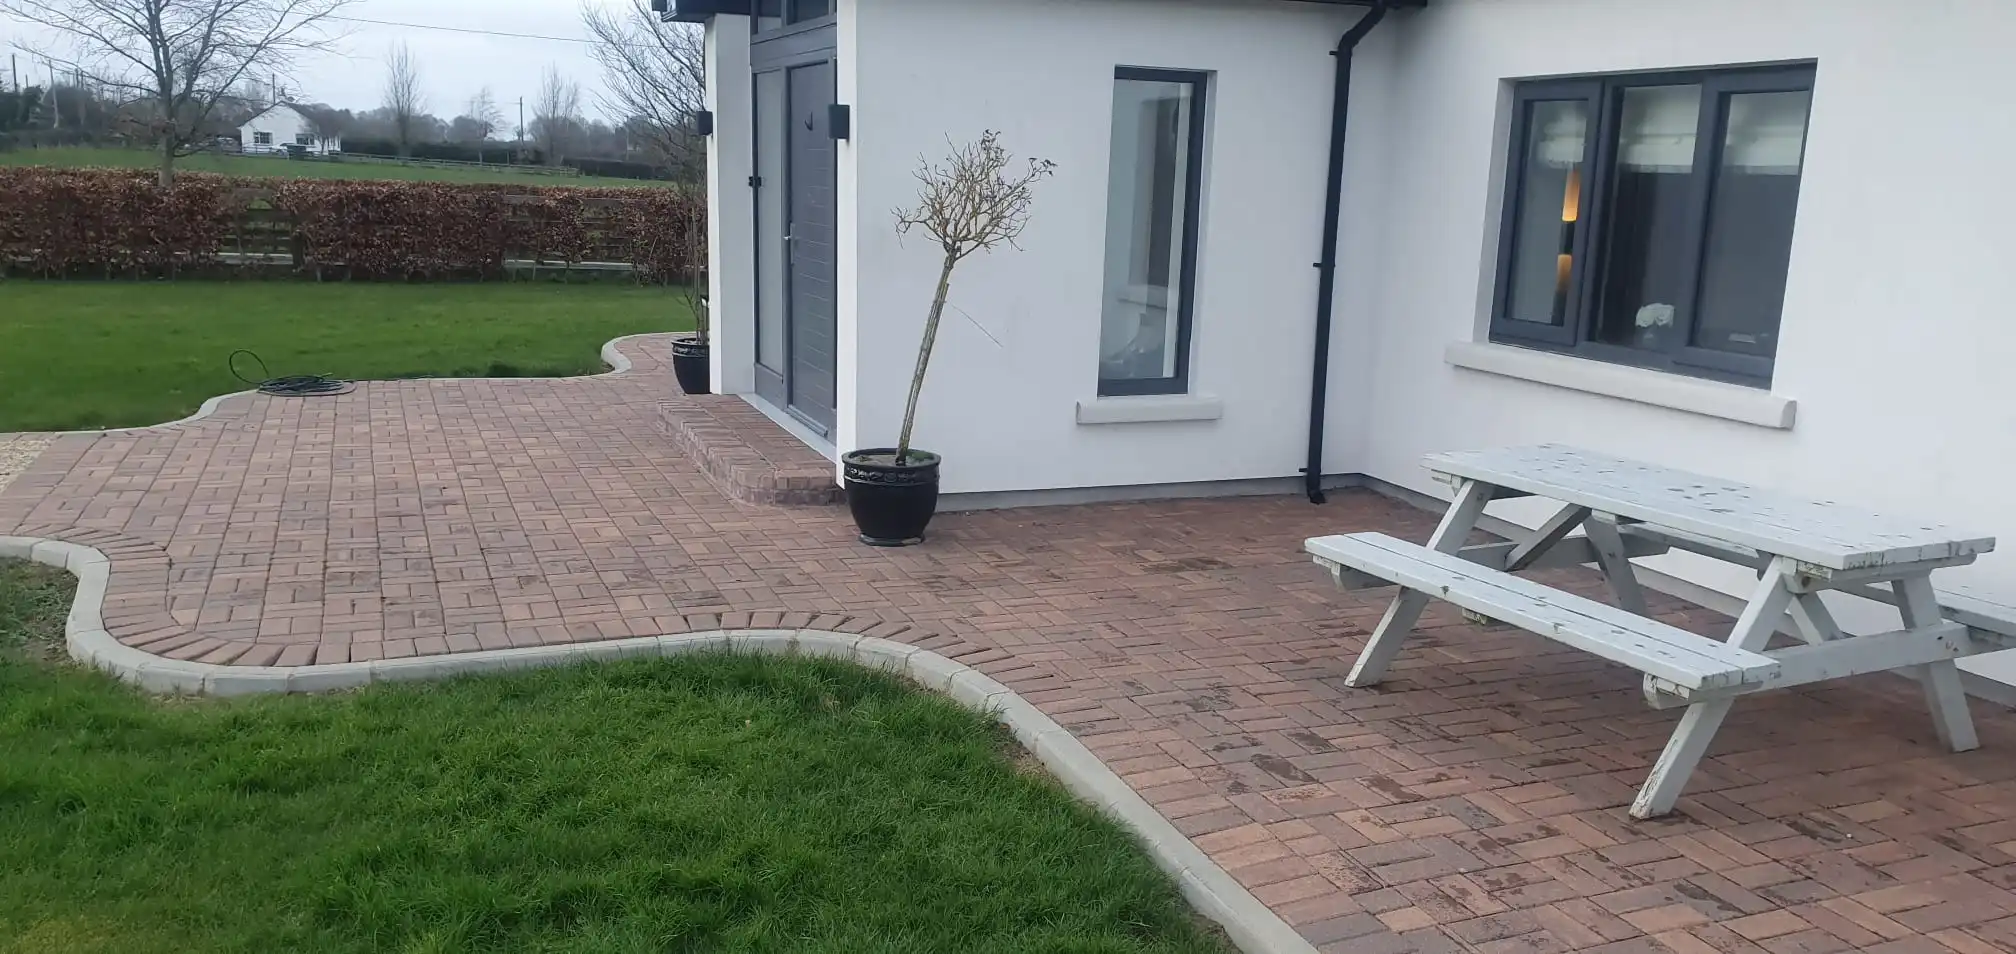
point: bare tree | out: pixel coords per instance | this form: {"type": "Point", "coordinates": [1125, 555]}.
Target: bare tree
{"type": "Point", "coordinates": [556, 114]}
{"type": "Point", "coordinates": [173, 60]}
{"type": "Point", "coordinates": [969, 203]}
{"type": "Point", "coordinates": [404, 101]}
{"type": "Point", "coordinates": [484, 114]}
{"type": "Point", "coordinates": [653, 71]}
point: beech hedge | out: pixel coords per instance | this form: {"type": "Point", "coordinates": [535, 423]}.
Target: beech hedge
{"type": "Point", "coordinates": [119, 223]}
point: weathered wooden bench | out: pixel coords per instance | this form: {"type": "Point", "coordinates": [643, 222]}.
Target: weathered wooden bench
{"type": "Point", "coordinates": [1626, 509]}
{"type": "Point", "coordinates": [1667, 653]}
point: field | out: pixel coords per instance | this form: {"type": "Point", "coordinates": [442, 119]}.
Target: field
{"type": "Point", "coordinates": [75, 157]}
{"type": "Point", "coordinates": [709, 804]}
{"type": "Point", "coordinates": [77, 355]}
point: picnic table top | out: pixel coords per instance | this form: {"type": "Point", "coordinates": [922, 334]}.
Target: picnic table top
{"type": "Point", "coordinates": [1822, 533]}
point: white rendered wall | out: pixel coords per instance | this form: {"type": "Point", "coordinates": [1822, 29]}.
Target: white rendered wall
{"type": "Point", "coordinates": [1019, 347]}
{"type": "Point", "coordinates": [1897, 340]}
{"type": "Point", "coordinates": [731, 242]}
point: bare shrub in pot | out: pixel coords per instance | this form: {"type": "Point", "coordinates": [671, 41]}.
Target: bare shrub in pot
{"type": "Point", "coordinates": [976, 200]}
{"type": "Point", "coordinates": [690, 353]}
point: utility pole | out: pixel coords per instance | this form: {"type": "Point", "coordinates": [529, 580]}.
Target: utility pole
{"type": "Point", "coordinates": [520, 151]}
{"type": "Point", "coordinates": [55, 103]}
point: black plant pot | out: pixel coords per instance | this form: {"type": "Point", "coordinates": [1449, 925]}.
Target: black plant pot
{"type": "Point", "coordinates": [689, 365]}
{"type": "Point", "coordinates": [892, 503]}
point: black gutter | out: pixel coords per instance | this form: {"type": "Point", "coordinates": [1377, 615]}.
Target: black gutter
{"type": "Point", "coordinates": [1326, 282]}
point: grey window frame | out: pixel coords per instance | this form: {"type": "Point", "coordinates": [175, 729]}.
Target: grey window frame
{"type": "Point", "coordinates": [1603, 98]}
{"type": "Point", "coordinates": [1199, 82]}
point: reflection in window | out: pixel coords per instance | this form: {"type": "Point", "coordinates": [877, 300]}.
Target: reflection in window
{"type": "Point", "coordinates": [1750, 222]}
{"type": "Point", "coordinates": [1150, 232]}
{"type": "Point", "coordinates": [1543, 249]}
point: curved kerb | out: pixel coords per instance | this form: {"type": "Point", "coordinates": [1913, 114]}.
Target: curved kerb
{"type": "Point", "coordinates": [1212, 891]}
{"type": "Point", "coordinates": [612, 355]}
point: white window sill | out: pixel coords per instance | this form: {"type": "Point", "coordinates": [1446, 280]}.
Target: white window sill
{"type": "Point", "coordinates": [1730, 402]}
{"type": "Point", "coordinates": [1150, 409]}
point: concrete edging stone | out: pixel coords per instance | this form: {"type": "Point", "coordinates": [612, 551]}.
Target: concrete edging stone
{"type": "Point", "coordinates": [1252, 927]}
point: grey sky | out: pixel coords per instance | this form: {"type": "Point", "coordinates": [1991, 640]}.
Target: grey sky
{"type": "Point", "coordinates": [453, 65]}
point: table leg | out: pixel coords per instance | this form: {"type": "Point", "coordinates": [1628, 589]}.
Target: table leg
{"type": "Point", "coordinates": [1697, 728]}
{"type": "Point", "coordinates": [1393, 629]}
{"type": "Point", "coordinates": [1943, 693]}
{"type": "Point", "coordinates": [1615, 563]}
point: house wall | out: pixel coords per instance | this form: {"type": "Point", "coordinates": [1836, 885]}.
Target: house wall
{"type": "Point", "coordinates": [284, 124]}
{"type": "Point", "coordinates": [1896, 339]}
{"type": "Point", "coordinates": [1018, 350]}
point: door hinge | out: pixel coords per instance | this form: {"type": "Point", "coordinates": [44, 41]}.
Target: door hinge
{"type": "Point", "coordinates": [755, 182]}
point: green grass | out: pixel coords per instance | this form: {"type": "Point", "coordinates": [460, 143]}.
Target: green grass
{"type": "Point", "coordinates": [83, 156]}
{"type": "Point", "coordinates": [77, 355]}
{"type": "Point", "coordinates": [707, 804]}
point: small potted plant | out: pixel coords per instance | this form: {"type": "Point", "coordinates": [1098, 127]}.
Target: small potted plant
{"type": "Point", "coordinates": [970, 203]}
{"type": "Point", "coordinates": [690, 352]}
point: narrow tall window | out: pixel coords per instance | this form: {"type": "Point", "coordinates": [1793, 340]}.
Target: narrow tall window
{"type": "Point", "coordinates": [1648, 218]}
{"type": "Point", "coordinates": [1151, 231]}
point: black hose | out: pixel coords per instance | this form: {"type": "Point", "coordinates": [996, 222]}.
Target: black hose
{"type": "Point", "coordinates": [298, 385]}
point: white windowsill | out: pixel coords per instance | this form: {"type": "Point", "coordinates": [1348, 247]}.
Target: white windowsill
{"type": "Point", "coordinates": [1730, 402]}
{"type": "Point", "coordinates": [1150, 409]}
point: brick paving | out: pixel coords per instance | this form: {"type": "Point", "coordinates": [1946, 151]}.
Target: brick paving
{"type": "Point", "coordinates": [1474, 803]}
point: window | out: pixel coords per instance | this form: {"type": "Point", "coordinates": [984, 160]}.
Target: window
{"type": "Point", "coordinates": [1151, 232]}
{"type": "Point", "coordinates": [262, 139]}
{"type": "Point", "coordinates": [304, 139]}
{"type": "Point", "coordinates": [773, 14]}
{"type": "Point", "coordinates": [1648, 218]}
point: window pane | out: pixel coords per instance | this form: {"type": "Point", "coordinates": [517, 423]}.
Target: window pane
{"type": "Point", "coordinates": [1146, 214]}
{"type": "Point", "coordinates": [1749, 248]}
{"type": "Point", "coordinates": [1645, 236]}
{"type": "Point", "coordinates": [769, 14]}
{"type": "Point", "coordinates": [1549, 205]}
{"type": "Point", "coordinates": [810, 9]}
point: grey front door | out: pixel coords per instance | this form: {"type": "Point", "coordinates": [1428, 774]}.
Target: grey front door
{"type": "Point", "coordinates": [809, 245]}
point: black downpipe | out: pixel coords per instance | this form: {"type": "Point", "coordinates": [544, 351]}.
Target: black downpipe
{"type": "Point", "coordinates": [1326, 282]}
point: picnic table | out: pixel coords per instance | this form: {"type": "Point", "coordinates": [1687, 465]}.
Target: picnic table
{"type": "Point", "coordinates": [1627, 509]}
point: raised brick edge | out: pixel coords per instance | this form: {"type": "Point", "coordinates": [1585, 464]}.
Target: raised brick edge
{"type": "Point", "coordinates": [1252, 927]}
{"type": "Point", "coordinates": [741, 473]}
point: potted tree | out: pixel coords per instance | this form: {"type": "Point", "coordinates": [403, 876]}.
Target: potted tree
{"type": "Point", "coordinates": [690, 352]}
{"type": "Point", "coordinates": [972, 202]}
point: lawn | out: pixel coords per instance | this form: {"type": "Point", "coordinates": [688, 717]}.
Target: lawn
{"type": "Point", "coordinates": [81, 156]}
{"type": "Point", "coordinates": [716, 803]}
{"type": "Point", "coordinates": [77, 355]}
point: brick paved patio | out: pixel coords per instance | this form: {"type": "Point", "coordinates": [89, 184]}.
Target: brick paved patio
{"type": "Point", "coordinates": [1476, 802]}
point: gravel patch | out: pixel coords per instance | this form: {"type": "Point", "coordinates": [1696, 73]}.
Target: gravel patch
{"type": "Point", "coordinates": [17, 451]}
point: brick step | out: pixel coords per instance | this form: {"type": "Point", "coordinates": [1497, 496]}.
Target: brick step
{"type": "Point", "coordinates": [746, 454]}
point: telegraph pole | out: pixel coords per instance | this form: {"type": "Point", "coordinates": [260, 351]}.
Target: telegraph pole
{"type": "Point", "coordinates": [520, 157]}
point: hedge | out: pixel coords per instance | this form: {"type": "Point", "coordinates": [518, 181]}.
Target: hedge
{"type": "Point", "coordinates": [118, 223]}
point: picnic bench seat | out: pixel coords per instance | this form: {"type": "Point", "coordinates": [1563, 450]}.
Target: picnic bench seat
{"type": "Point", "coordinates": [1685, 660]}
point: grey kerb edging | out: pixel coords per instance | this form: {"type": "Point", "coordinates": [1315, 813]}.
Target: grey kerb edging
{"type": "Point", "coordinates": [1215, 894]}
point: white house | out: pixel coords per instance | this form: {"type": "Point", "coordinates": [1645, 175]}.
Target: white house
{"type": "Point", "coordinates": [282, 126]}
{"type": "Point", "coordinates": [1770, 241]}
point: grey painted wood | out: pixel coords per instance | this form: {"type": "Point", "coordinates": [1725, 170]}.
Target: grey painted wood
{"type": "Point", "coordinates": [1616, 566]}
{"type": "Point", "coordinates": [1823, 535]}
{"type": "Point", "coordinates": [1457, 522]}
{"type": "Point", "coordinates": [1545, 537]}
{"type": "Point", "coordinates": [1697, 728]}
{"type": "Point", "coordinates": [1673, 654]}
{"type": "Point", "coordinates": [812, 376]}
{"type": "Point", "coordinates": [1919, 606]}
{"type": "Point", "coordinates": [1574, 551]}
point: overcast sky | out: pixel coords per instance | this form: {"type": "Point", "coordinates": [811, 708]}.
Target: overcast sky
{"type": "Point", "coordinates": [453, 65]}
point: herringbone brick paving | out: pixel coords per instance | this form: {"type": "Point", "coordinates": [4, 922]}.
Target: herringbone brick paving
{"type": "Point", "coordinates": [1474, 803]}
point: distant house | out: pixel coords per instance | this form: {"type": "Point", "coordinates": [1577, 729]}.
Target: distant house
{"type": "Point", "coordinates": [282, 126]}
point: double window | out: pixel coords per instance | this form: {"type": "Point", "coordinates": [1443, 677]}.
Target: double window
{"type": "Point", "coordinates": [262, 139]}
{"type": "Point", "coordinates": [1156, 174]}
{"type": "Point", "coordinates": [776, 14]}
{"type": "Point", "coordinates": [1648, 218]}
